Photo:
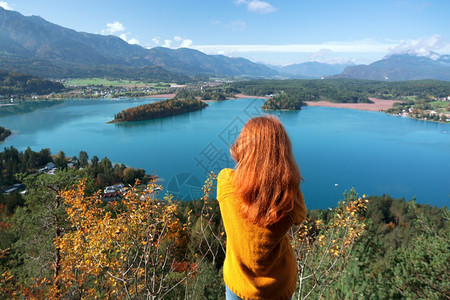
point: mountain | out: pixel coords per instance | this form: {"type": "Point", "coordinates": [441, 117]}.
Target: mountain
{"type": "Point", "coordinates": [191, 61]}
{"type": "Point", "coordinates": [312, 69]}
{"type": "Point", "coordinates": [400, 67]}
{"type": "Point", "coordinates": [50, 50]}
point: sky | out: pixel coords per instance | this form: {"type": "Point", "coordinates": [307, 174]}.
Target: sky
{"type": "Point", "coordinates": [277, 32]}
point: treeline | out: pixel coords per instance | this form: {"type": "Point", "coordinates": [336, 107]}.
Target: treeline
{"type": "Point", "coordinates": [61, 70]}
{"type": "Point", "coordinates": [403, 254]}
{"type": "Point", "coordinates": [421, 109]}
{"type": "Point", "coordinates": [283, 101]}
{"type": "Point", "coordinates": [101, 172]}
{"type": "Point", "coordinates": [217, 93]}
{"type": "Point", "coordinates": [21, 84]}
{"type": "Point", "coordinates": [13, 162]}
{"type": "Point", "coordinates": [345, 90]}
{"type": "Point", "coordinates": [161, 109]}
{"type": "Point", "coordinates": [4, 133]}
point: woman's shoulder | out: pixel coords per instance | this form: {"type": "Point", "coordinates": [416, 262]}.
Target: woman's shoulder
{"type": "Point", "coordinates": [225, 174]}
{"type": "Point", "coordinates": [225, 185]}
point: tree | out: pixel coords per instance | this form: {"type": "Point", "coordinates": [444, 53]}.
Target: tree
{"type": "Point", "coordinates": [134, 254]}
{"type": "Point", "coordinates": [37, 223]}
{"type": "Point", "coordinates": [44, 157]}
{"type": "Point", "coordinates": [30, 160]}
{"type": "Point", "coordinates": [83, 158]}
{"type": "Point", "coordinates": [60, 160]}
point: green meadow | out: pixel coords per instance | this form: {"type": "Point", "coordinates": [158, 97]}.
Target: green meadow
{"type": "Point", "coordinates": [115, 82]}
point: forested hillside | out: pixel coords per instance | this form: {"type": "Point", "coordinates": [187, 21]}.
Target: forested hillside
{"type": "Point", "coordinates": [19, 84]}
{"type": "Point", "coordinates": [62, 240]}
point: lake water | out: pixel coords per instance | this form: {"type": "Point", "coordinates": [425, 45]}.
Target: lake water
{"type": "Point", "coordinates": [336, 149]}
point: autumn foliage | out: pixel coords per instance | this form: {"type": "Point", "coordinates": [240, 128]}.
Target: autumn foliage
{"type": "Point", "coordinates": [127, 252]}
{"type": "Point", "coordinates": [160, 109]}
{"type": "Point", "coordinates": [144, 246]}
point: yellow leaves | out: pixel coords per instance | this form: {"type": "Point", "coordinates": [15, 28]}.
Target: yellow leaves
{"type": "Point", "coordinates": [143, 229]}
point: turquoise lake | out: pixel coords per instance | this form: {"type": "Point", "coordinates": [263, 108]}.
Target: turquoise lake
{"type": "Point", "coordinates": [336, 149]}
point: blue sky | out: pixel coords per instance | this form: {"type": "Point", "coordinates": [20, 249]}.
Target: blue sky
{"type": "Point", "coordinates": [272, 31]}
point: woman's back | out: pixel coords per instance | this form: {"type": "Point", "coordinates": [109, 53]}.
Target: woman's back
{"type": "Point", "coordinates": [259, 262]}
{"type": "Point", "coordinates": [259, 201]}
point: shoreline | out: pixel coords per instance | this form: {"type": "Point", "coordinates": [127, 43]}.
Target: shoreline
{"type": "Point", "coordinates": [377, 105]}
{"type": "Point", "coordinates": [168, 96]}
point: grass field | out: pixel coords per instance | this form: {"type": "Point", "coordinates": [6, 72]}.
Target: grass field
{"type": "Point", "coordinates": [440, 106]}
{"type": "Point", "coordinates": [108, 82]}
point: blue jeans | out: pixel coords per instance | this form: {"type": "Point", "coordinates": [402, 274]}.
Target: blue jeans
{"type": "Point", "coordinates": [229, 295]}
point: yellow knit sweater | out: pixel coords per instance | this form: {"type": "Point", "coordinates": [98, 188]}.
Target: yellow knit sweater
{"type": "Point", "coordinates": [259, 262]}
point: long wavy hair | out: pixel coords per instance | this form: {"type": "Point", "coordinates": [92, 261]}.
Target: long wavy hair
{"type": "Point", "coordinates": [266, 175]}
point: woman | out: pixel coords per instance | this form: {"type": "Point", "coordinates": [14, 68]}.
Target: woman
{"type": "Point", "coordinates": [259, 201]}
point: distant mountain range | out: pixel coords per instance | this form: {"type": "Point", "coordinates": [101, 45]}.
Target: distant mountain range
{"type": "Point", "coordinates": [312, 69]}
{"type": "Point", "coordinates": [49, 48]}
{"type": "Point", "coordinates": [35, 46]}
{"type": "Point", "coordinates": [402, 67]}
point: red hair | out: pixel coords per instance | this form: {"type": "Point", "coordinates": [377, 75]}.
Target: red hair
{"type": "Point", "coordinates": [266, 176]}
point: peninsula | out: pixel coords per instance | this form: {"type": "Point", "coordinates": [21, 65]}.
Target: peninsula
{"type": "Point", "coordinates": [4, 133]}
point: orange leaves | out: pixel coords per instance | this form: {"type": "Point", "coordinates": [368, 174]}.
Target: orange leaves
{"type": "Point", "coordinates": [123, 253]}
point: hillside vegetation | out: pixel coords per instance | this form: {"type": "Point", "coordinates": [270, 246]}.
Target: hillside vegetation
{"type": "Point", "coordinates": [12, 83]}
{"type": "Point", "coordinates": [62, 240]}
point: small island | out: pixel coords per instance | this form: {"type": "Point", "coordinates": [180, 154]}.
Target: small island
{"type": "Point", "coordinates": [4, 133]}
{"type": "Point", "coordinates": [283, 102]}
{"type": "Point", "coordinates": [161, 109]}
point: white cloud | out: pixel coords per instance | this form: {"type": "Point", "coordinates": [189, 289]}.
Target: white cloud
{"type": "Point", "coordinates": [5, 5]}
{"type": "Point", "coordinates": [177, 42]}
{"type": "Point", "coordinates": [186, 43]}
{"type": "Point", "coordinates": [115, 28]}
{"type": "Point", "coordinates": [167, 43]}
{"type": "Point", "coordinates": [112, 28]}
{"type": "Point", "coordinates": [422, 47]}
{"type": "Point", "coordinates": [257, 6]}
{"type": "Point", "coordinates": [131, 41]}
{"type": "Point", "coordinates": [365, 46]}
{"type": "Point", "coordinates": [260, 7]}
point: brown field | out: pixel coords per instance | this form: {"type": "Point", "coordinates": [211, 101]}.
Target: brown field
{"type": "Point", "coordinates": [377, 105]}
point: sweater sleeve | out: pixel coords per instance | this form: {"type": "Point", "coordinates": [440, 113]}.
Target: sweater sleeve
{"type": "Point", "coordinates": [299, 212]}
{"type": "Point", "coordinates": [223, 184]}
